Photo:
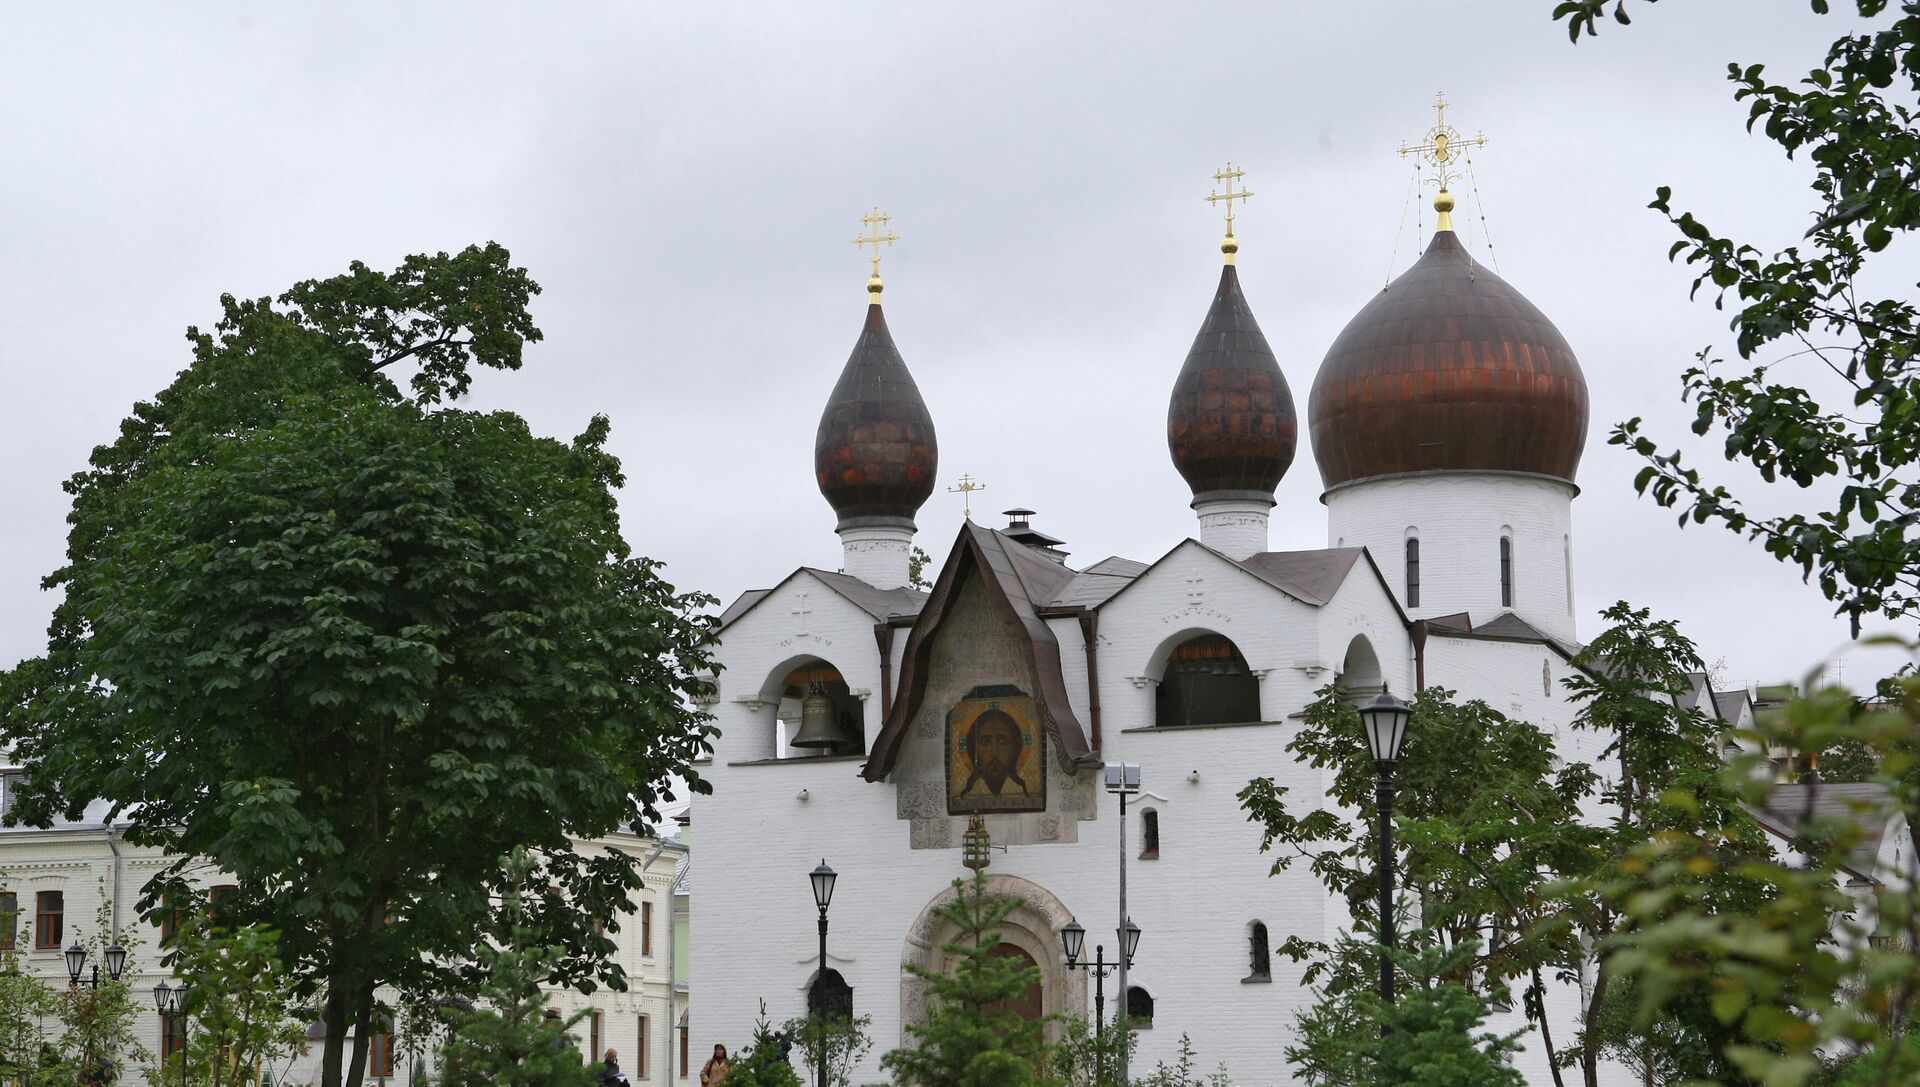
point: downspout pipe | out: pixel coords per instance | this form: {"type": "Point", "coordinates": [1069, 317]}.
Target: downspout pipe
{"type": "Point", "coordinates": [113, 844]}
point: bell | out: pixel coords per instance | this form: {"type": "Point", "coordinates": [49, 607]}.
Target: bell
{"type": "Point", "coordinates": [818, 727]}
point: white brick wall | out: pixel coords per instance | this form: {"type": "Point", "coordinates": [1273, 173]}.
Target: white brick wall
{"type": "Point", "coordinates": [1460, 517]}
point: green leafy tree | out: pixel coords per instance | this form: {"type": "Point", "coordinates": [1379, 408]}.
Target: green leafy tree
{"type": "Point", "coordinates": [844, 1042]}
{"type": "Point", "coordinates": [1813, 310]}
{"type": "Point", "coordinates": [1088, 1057]}
{"type": "Point", "coordinates": [1182, 1073]}
{"type": "Point", "coordinates": [241, 1002]}
{"type": "Point", "coordinates": [1432, 1036]}
{"type": "Point", "coordinates": [511, 1038]}
{"type": "Point", "coordinates": [25, 1003]}
{"type": "Point", "coordinates": [352, 645]}
{"type": "Point", "coordinates": [972, 1036]}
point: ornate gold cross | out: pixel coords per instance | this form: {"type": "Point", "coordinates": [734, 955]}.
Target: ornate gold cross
{"type": "Point", "coordinates": [1443, 143]}
{"type": "Point", "coordinates": [875, 221]}
{"type": "Point", "coordinates": [1229, 175]}
{"type": "Point", "coordinates": [966, 487]}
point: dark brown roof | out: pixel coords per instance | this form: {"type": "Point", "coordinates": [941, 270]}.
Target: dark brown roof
{"type": "Point", "coordinates": [1313, 576]}
{"type": "Point", "coordinates": [1448, 368]}
{"type": "Point", "coordinates": [1505, 627]}
{"type": "Point", "coordinates": [1024, 582]}
{"type": "Point", "coordinates": [882, 604]}
{"type": "Point", "coordinates": [1230, 423]}
{"type": "Point", "coordinates": [875, 455]}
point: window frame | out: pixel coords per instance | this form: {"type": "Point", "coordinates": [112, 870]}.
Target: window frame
{"type": "Point", "coordinates": [41, 915]}
{"type": "Point", "coordinates": [646, 928]}
{"type": "Point", "coordinates": [1150, 834]}
{"type": "Point", "coordinates": [380, 1048]}
{"type": "Point", "coordinates": [9, 920]}
{"type": "Point", "coordinates": [1259, 954]}
{"type": "Point", "coordinates": [1506, 571]}
{"type": "Point", "coordinates": [640, 1051]}
{"type": "Point", "coordinates": [1412, 571]}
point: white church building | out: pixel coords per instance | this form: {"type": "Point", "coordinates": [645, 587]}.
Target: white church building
{"type": "Point", "coordinates": [1448, 421]}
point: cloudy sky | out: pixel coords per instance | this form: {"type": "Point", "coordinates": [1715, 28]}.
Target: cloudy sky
{"type": "Point", "coordinates": [685, 183]}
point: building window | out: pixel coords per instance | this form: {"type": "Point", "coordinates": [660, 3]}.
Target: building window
{"type": "Point", "coordinates": [685, 1040]}
{"type": "Point", "coordinates": [173, 1034]}
{"type": "Point", "coordinates": [593, 1037]}
{"type": "Point", "coordinates": [9, 919]}
{"type": "Point", "coordinates": [1139, 1007]}
{"type": "Point", "coordinates": [1149, 835]}
{"type": "Point", "coordinates": [215, 896]}
{"type": "Point", "coordinates": [1413, 571]}
{"type": "Point", "coordinates": [646, 928]}
{"type": "Point", "coordinates": [640, 1052]}
{"type": "Point", "coordinates": [49, 921]}
{"type": "Point", "coordinates": [380, 1048]}
{"type": "Point", "coordinates": [831, 995]}
{"type": "Point", "coordinates": [1207, 682]}
{"type": "Point", "coordinates": [1261, 967]}
{"type": "Point", "coordinates": [1506, 571]}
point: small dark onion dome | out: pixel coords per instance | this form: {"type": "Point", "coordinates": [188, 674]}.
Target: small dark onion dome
{"type": "Point", "coordinates": [1230, 424]}
{"type": "Point", "coordinates": [875, 453]}
{"type": "Point", "coordinates": [1448, 369]}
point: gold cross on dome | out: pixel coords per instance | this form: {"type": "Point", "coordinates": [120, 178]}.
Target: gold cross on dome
{"type": "Point", "coordinates": [1229, 175]}
{"type": "Point", "coordinates": [965, 488]}
{"type": "Point", "coordinates": [1443, 144]}
{"type": "Point", "coordinates": [875, 221]}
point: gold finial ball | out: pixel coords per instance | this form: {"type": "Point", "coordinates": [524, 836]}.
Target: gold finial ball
{"type": "Point", "coordinates": [1229, 245]}
{"type": "Point", "coordinates": [1443, 201]}
{"type": "Point", "coordinates": [874, 287]}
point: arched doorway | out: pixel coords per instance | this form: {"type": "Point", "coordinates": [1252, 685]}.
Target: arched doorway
{"type": "Point", "coordinates": [1028, 1004]}
{"type": "Point", "coordinates": [1031, 931]}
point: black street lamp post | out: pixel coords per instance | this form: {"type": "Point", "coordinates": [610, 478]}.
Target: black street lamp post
{"type": "Point", "coordinates": [823, 879]}
{"type": "Point", "coordinates": [172, 1001]}
{"type": "Point", "coordinates": [1073, 940]}
{"type": "Point", "coordinates": [1385, 718]}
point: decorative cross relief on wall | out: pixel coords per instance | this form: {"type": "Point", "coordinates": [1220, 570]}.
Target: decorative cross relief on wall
{"type": "Point", "coordinates": [1196, 588]}
{"type": "Point", "coordinates": [801, 611]}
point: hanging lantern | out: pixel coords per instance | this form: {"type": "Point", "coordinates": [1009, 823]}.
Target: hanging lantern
{"type": "Point", "coordinates": [976, 847]}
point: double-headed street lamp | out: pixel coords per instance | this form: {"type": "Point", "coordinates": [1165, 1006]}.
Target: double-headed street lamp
{"type": "Point", "coordinates": [1073, 940]}
{"type": "Point", "coordinates": [823, 879]}
{"type": "Point", "coordinates": [1385, 718]}
{"type": "Point", "coordinates": [116, 957]}
{"type": "Point", "coordinates": [172, 1001]}
{"type": "Point", "coordinates": [1123, 781]}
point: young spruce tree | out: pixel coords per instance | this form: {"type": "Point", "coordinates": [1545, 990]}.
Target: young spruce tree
{"type": "Point", "coordinates": [971, 1037]}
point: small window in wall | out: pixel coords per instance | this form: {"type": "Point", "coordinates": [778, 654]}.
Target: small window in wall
{"type": "Point", "coordinates": [173, 1034]}
{"type": "Point", "coordinates": [1413, 571]}
{"type": "Point", "coordinates": [830, 995]}
{"type": "Point", "coordinates": [9, 919]}
{"type": "Point", "coordinates": [1207, 682]}
{"type": "Point", "coordinates": [594, 1051]}
{"type": "Point", "coordinates": [49, 920]}
{"type": "Point", "coordinates": [1261, 964]}
{"type": "Point", "coordinates": [9, 786]}
{"type": "Point", "coordinates": [640, 1052]}
{"type": "Point", "coordinates": [1506, 571]}
{"type": "Point", "coordinates": [215, 897]}
{"type": "Point", "coordinates": [646, 928]}
{"type": "Point", "coordinates": [1139, 1007]}
{"type": "Point", "coordinates": [686, 1034]}
{"type": "Point", "coordinates": [1149, 835]}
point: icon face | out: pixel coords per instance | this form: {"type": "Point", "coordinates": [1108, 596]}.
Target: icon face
{"type": "Point", "coordinates": [995, 753]}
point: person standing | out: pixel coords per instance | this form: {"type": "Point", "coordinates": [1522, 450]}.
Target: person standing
{"type": "Point", "coordinates": [714, 1072]}
{"type": "Point", "coordinates": [610, 1074]}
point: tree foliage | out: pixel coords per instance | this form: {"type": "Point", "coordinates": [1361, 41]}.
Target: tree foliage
{"type": "Point", "coordinates": [353, 645]}
{"type": "Point", "coordinates": [1814, 304]}
{"type": "Point", "coordinates": [1433, 1035]}
{"type": "Point", "coordinates": [241, 1002]}
{"type": "Point", "coordinates": [843, 1041]}
{"type": "Point", "coordinates": [972, 1038]}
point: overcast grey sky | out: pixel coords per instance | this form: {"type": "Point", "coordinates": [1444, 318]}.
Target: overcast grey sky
{"type": "Point", "coordinates": [684, 182]}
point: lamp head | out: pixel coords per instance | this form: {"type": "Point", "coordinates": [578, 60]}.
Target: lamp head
{"type": "Point", "coordinates": [1130, 939]}
{"type": "Point", "coordinates": [116, 957]}
{"type": "Point", "coordinates": [1073, 938]}
{"type": "Point", "coordinates": [76, 961]}
{"type": "Point", "coordinates": [163, 997]}
{"type": "Point", "coordinates": [823, 879]}
{"type": "Point", "coordinates": [1385, 719]}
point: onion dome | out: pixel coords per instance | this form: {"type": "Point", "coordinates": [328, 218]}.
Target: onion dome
{"type": "Point", "coordinates": [1230, 424]}
{"type": "Point", "coordinates": [1448, 369]}
{"type": "Point", "coordinates": [875, 454]}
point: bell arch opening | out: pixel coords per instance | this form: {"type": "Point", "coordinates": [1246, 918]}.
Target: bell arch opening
{"type": "Point", "coordinates": [815, 713]}
{"type": "Point", "coordinates": [1360, 677]}
{"type": "Point", "coordinates": [1205, 680]}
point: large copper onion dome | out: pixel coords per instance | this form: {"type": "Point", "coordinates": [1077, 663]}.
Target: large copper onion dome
{"type": "Point", "coordinates": [875, 454]}
{"type": "Point", "coordinates": [1449, 368]}
{"type": "Point", "coordinates": [1230, 424]}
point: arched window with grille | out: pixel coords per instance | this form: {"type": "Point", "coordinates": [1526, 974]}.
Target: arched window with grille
{"type": "Point", "coordinates": [1260, 960]}
{"type": "Point", "coordinates": [1413, 571]}
{"type": "Point", "coordinates": [1139, 1007]}
{"type": "Point", "coordinates": [1149, 835]}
